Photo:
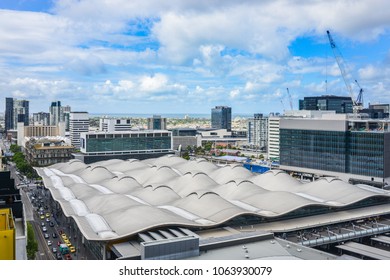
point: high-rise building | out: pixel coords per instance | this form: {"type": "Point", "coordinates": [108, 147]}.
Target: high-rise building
{"type": "Point", "coordinates": [55, 113]}
{"type": "Point", "coordinates": [78, 123]}
{"type": "Point", "coordinates": [335, 145]}
{"type": "Point", "coordinates": [21, 112]}
{"type": "Point", "coordinates": [9, 113]}
{"type": "Point", "coordinates": [257, 132]}
{"type": "Point", "coordinates": [157, 122]}
{"type": "Point", "coordinates": [112, 125]}
{"type": "Point", "coordinates": [66, 112]}
{"type": "Point", "coordinates": [339, 104]}
{"type": "Point", "coordinates": [273, 137]}
{"type": "Point", "coordinates": [16, 111]}
{"type": "Point", "coordinates": [221, 117]}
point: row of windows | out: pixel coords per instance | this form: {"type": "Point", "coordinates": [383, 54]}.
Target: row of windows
{"type": "Point", "coordinates": [357, 153]}
{"type": "Point", "coordinates": [128, 144]}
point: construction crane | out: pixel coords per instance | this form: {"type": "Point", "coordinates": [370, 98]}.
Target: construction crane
{"type": "Point", "coordinates": [290, 99]}
{"type": "Point", "coordinates": [343, 69]}
{"type": "Point", "coordinates": [359, 99]}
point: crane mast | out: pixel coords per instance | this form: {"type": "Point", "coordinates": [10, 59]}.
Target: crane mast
{"type": "Point", "coordinates": [357, 105]}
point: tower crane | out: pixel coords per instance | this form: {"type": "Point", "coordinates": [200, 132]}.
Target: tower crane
{"type": "Point", "coordinates": [357, 105]}
{"type": "Point", "coordinates": [359, 99]}
{"type": "Point", "coordinates": [290, 99]}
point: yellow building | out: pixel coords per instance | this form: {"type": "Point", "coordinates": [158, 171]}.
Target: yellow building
{"type": "Point", "coordinates": [7, 235]}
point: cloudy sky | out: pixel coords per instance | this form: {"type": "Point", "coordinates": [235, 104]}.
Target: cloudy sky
{"type": "Point", "coordinates": [187, 56]}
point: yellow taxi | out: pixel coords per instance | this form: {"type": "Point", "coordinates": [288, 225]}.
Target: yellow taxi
{"type": "Point", "coordinates": [68, 243]}
{"type": "Point", "coordinates": [42, 217]}
{"type": "Point", "coordinates": [48, 215]}
{"type": "Point", "coordinates": [64, 236]}
{"type": "Point", "coordinates": [72, 249]}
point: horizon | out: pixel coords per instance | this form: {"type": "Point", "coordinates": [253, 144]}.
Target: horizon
{"type": "Point", "coordinates": [152, 56]}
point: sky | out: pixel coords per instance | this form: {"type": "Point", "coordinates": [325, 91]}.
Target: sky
{"type": "Point", "coordinates": [188, 56]}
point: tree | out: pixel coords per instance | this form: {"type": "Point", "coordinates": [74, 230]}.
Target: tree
{"type": "Point", "coordinates": [32, 244]}
{"type": "Point", "coordinates": [186, 155]}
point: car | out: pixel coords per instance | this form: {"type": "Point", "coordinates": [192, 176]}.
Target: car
{"type": "Point", "coordinates": [59, 256]}
{"type": "Point", "coordinates": [43, 224]}
{"type": "Point", "coordinates": [47, 236]}
{"type": "Point", "coordinates": [46, 207]}
{"type": "Point", "coordinates": [48, 215]}
{"type": "Point", "coordinates": [63, 235]}
{"type": "Point", "coordinates": [47, 219]}
{"type": "Point", "coordinates": [44, 229]}
{"type": "Point", "coordinates": [54, 235]}
{"type": "Point", "coordinates": [54, 249]}
{"type": "Point", "coordinates": [72, 249]}
{"type": "Point", "coordinates": [51, 224]}
{"type": "Point", "coordinates": [68, 257]}
{"type": "Point", "coordinates": [49, 243]}
{"type": "Point", "coordinates": [42, 217]}
{"type": "Point", "coordinates": [68, 243]}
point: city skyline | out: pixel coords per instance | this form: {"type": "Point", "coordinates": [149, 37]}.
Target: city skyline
{"type": "Point", "coordinates": [189, 56]}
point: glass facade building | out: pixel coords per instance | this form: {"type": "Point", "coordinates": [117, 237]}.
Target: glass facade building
{"type": "Point", "coordinates": [221, 117]}
{"type": "Point", "coordinates": [339, 104]}
{"type": "Point", "coordinates": [119, 143]}
{"type": "Point", "coordinates": [356, 152]}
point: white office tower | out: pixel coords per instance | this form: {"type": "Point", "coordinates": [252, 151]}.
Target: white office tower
{"type": "Point", "coordinates": [273, 137]}
{"type": "Point", "coordinates": [258, 132]}
{"type": "Point", "coordinates": [113, 125]}
{"type": "Point", "coordinates": [78, 122]}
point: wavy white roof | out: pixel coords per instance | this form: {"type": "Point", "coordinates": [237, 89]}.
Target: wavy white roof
{"type": "Point", "coordinates": [114, 199]}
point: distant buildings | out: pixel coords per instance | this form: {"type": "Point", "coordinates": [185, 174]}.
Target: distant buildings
{"type": "Point", "coordinates": [78, 123]}
{"type": "Point", "coordinates": [184, 137]}
{"type": "Point", "coordinates": [157, 122]}
{"type": "Point", "coordinates": [112, 125]}
{"type": "Point", "coordinates": [339, 104]}
{"type": "Point", "coordinates": [221, 117]}
{"type": "Point", "coordinates": [257, 132]}
{"type": "Point", "coordinates": [41, 118]}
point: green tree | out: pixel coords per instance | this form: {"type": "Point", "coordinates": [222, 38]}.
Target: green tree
{"type": "Point", "coordinates": [186, 155]}
{"type": "Point", "coordinates": [14, 148]}
{"type": "Point", "coordinates": [32, 244]}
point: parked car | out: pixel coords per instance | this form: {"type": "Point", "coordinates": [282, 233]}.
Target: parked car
{"type": "Point", "coordinates": [54, 235]}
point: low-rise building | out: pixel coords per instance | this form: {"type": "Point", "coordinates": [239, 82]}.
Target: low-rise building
{"type": "Point", "coordinates": [141, 144]}
{"type": "Point", "coordinates": [47, 151]}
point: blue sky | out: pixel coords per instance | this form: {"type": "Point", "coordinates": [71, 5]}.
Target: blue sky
{"type": "Point", "coordinates": [187, 56]}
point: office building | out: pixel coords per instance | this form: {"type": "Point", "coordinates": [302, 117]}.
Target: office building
{"type": "Point", "coordinates": [56, 115]}
{"type": "Point", "coordinates": [113, 125]}
{"type": "Point", "coordinates": [16, 111]}
{"type": "Point", "coordinates": [339, 104]}
{"type": "Point", "coordinates": [337, 145]}
{"type": "Point", "coordinates": [9, 113]}
{"type": "Point", "coordinates": [221, 117]}
{"type": "Point", "coordinates": [97, 146]}
{"type": "Point", "coordinates": [157, 122]}
{"type": "Point", "coordinates": [184, 137]}
{"type": "Point", "coordinates": [273, 137]}
{"type": "Point", "coordinates": [78, 123]}
{"type": "Point", "coordinates": [257, 132]}
{"type": "Point", "coordinates": [376, 111]}
{"type": "Point", "coordinates": [66, 112]}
